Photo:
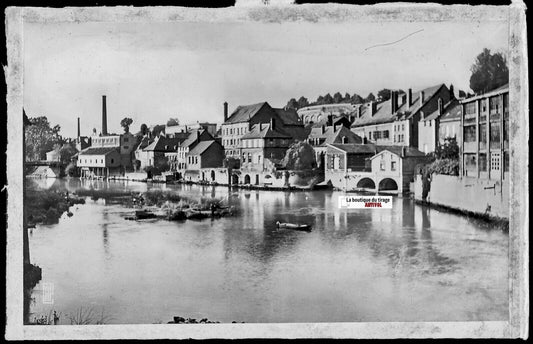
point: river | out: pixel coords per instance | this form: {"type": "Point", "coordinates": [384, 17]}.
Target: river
{"type": "Point", "coordinates": [408, 263]}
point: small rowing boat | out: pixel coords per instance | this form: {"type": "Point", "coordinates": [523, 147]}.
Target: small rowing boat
{"type": "Point", "coordinates": [298, 227]}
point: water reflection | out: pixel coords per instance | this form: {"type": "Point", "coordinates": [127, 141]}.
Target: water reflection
{"type": "Point", "coordinates": [356, 265]}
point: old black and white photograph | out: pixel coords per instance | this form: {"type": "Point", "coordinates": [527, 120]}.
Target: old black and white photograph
{"type": "Point", "coordinates": [267, 165]}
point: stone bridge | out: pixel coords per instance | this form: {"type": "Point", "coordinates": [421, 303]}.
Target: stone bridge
{"type": "Point", "coordinates": [366, 181]}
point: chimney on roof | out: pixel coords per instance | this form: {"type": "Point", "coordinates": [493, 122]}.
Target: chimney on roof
{"type": "Point", "coordinates": [392, 101]}
{"type": "Point", "coordinates": [272, 123]}
{"type": "Point", "coordinates": [440, 106]}
{"type": "Point", "coordinates": [225, 111]}
{"type": "Point", "coordinates": [372, 107]}
{"type": "Point", "coordinates": [409, 97]}
{"type": "Point", "coordinates": [104, 116]}
{"type": "Point", "coordinates": [422, 98]}
{"type": "Point", "coordinates": [79, 127]}
{"type": "Point", "coordinates": [452, 92]}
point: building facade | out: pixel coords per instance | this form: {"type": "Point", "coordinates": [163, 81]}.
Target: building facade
{"type": "Point", "coordinates": [484, 143]}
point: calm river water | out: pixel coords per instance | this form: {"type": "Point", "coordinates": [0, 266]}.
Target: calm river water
{"type": "Point", "coordinates": [409, 263]}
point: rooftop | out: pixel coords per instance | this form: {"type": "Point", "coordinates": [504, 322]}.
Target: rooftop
{"type": "Point", "coordinates": [98, 150]}
{"type": "Point", "coordinates": [201, 147]}
{"type": "Point", "coordinates": [263, 131]}
{"type": "Point", "coordinates": [384, 114]}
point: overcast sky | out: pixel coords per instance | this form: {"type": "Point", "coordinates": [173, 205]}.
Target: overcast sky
{"type": "Point", "coordinates": [151, 72]}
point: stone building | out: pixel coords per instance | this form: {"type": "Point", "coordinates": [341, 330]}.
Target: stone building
{"type": "Point", "coordinates": [395, 121]}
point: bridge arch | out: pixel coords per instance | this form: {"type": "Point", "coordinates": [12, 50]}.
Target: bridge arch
{"type": "Point", "coordinates": [388, 184]}
{"type": "Point", "coordinates": [366, 183]}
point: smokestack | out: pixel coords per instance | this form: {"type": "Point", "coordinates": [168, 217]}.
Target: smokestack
{"type": "Point", "coordinates": [225, 111]}
{"type": "Point", "coordinates": [392, 102]}
{"type": "Point", "coordinates": [104, 116]}
{"type": "Point", "coordinates": [422, 99]}
{"type": "Point", "coordinates": [79, 127]}
{"type": "Point", "coordinates": [409, 97]}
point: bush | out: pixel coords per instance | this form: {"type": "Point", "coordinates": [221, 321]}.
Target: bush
{"type": "Point", "coordinates": [299, 156]}
{"type": "Point", "coordinates": [448, 167]}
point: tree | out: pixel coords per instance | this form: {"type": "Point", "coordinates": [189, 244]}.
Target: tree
{"type": "Point", "coordinates": [157, 129]}
{"type": "Point", "coordinates": [448, 150]}
{"type": "Point", "coordinates": [292, 104]}
{"type": "Point", "coordinates": [303, 102]}
{"type": "Point", "coordinates": [489, 71]}
{"type": "Point", "coordinates": [357, 99]}
{"type": "Point", "coordinates": [346, 98]}
{"type": "Point", "coordinates": [144, 129]}
{"type": "Point", "coordinates": [125, 123]}
{"type": "Point", "coordinates": [40, 138]}
{"type": "Point", "coordinates": [370, 98]}
{"type": "Point", "coordinates": [328, 99]}
{"type": "Point", "coordinates": [384, 94]}
{"type": "Point", "coordinates": [319, 100]}
{"type": "Point", "coordinates": [299, 156]}
{"type": "Point", "coordinates": [337, 98]}
{"type": "Point", "coordinates": [172, 122]}
{"type": "Point", "coordinates": [66, 152]}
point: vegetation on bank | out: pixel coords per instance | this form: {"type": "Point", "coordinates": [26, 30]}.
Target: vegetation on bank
{"type": "Point", "coordinates": [47, 206]}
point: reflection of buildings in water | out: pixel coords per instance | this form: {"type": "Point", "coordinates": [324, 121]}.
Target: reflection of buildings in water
{"type": "Point", "coordinates": [105, 234]}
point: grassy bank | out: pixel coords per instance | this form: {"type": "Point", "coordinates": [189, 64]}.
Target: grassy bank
{"type": "Point", "coordinates": [47, 206]}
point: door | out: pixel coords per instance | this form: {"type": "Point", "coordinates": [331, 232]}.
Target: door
{"type": "Point", "coordinates": [495, 166]}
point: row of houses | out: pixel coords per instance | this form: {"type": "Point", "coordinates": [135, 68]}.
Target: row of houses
{"type": "Point", "coordinates": [384, 139]}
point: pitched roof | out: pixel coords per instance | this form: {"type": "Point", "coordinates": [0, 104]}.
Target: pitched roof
{"type": "Point", "coordinates": [372, 148]}
{"type": "Point", "coordinates": [451, 111]}
{"type": "Point", "coordinates": [288, 116]}
{"type": "Point", "coordinates": [355, 148]}
{"type": "Point", "coordinates": [192, 136]}
{"type": "Point", "coordinates": [201, 147]}
{"type": "Point", "coordinates": [98, 150]}
{"type": "Point", "coordinates": [384, 114]}
{"type": "Point", "coordinates": [164, 144]}
{"type": "Point", "coordinates": [263, 131]}
{"type": "Point", "coordinates": [331, 135]}
{"type": "Point", "coordinates": [244, 113]}
{"type": "Point", "coordinates": [409, 151]}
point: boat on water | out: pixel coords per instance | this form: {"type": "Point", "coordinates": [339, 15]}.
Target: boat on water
{"type": "Point", "coordinates": [141, 215]}
{"type": "Point", "coordinates": [295, 226]}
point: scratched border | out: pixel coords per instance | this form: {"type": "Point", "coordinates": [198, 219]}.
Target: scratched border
{"type": "Point", "coordinates": [516, 327]}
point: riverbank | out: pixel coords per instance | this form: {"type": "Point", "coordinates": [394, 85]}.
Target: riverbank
{"type": "Point", "coordinates": [497, 222]}
{"type": "Point", "coordinates": [47, 206]}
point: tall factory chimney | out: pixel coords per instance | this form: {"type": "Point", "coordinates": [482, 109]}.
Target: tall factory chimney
{"type": "Point", "coordinates": [79, 127]}
{"type": "Point", "coordinates": [104, 116]}
{"type": "Point", "coordinates": [225, 111]}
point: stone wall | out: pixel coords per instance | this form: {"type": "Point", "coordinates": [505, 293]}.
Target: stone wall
{"type": "Point", "coordinates": [480, 196]}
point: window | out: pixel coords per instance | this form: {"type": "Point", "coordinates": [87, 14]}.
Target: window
{"type": "Point", "coordinates": [403, 127]}
{"type": "Point", "coordinates": [382, 164]}
{"type": "Point", "coordinates": [470, 108]}
{"type": "Point", "coordinates": [483, 162]}
{"type": "Point", "coordinates": [126, 147]}
{"type": "Point", "coordinates": [102, 161]}
{"type": "Point", "coordinates": [393, 165]}
{"type": "Point", "coordinates": [125, 139]}
{"type": "Point", "coordinates": [430, 123]}
{"type": "Point", "coordinates": [494, 104]}
{"type": "Point", "coordinates": [470, 133]}
{"type": "Point", "coordinates": [386, 134]}
{"type": "Point", "coordinates": [112, 160]}
{"type": "Point", "coordinates": [249, 157]}
{"type": "Point", "coordinates": [495, 135]}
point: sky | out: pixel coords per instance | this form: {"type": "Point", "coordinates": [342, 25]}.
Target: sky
{"type": "Point", "coordinates": [154, 71]}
